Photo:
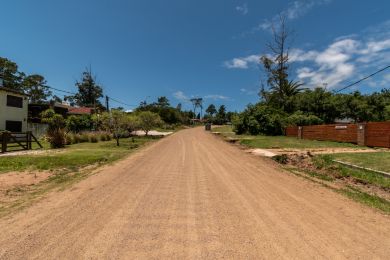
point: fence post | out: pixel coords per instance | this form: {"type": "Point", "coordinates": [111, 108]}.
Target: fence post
{"type": "Point", "coordinates": [4, 140]}
{"type": "Point", "coordinates": [300, 130]}
{"type": "Point", "coordinates": [361, 134]}
{"type": "Point", "coordinates": [29, 140]}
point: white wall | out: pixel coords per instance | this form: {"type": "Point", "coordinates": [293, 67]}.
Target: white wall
{"type": "Point", "coordinates": [13, 113]}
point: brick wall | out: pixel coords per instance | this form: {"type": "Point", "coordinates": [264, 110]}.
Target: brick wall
{"type": "Point", "coordinates": [292, 131]}
{"type": "Point", "coordinates": [340, 133]}
{"type": "Point", "coordinates": [376, 134]}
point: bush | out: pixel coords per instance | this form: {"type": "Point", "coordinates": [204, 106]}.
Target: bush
{"type": "Point", "coordinates": [103, 138]}
{"type": "Point", "coordinates": [93, 138]}
{"type": "Point", "coordinates": [84, 138]}
{"type": "Point", "coordinates": [300, 119]}
{"type": "Point", "coordinates": [76, 124]}
{"type": "Point", "coordinates": [68, 139]}
{"type": "Point", "coordinates": [55, 135]}
{"type": "Point", "coordinates": [259, 119]}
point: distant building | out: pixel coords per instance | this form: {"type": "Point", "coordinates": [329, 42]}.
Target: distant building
{"type": "Point", "coordinates": [13, 110]}
{"type": "Point", "coordinates": [81, 111]}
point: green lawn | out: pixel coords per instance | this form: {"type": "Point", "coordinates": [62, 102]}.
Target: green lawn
{"type": "Point", "coordinates": [377, 161]}
{"type": "Point", "coordinates": [73, 157]}
{"type": "Point", "coordinates": [269, 142]}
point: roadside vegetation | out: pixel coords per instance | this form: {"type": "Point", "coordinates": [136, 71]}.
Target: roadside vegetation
{"type": "Point", "coordinates": [379, 161]}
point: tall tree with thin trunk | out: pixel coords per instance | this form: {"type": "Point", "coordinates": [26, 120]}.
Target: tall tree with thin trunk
{"type": "Point", "coordinates": [276, 66]}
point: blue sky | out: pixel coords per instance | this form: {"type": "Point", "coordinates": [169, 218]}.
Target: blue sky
{"type": "Point", "coordinates": [204, 48]}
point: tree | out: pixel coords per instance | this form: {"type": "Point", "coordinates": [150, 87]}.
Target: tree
{"type": "Point", "coordinates": [10, 74]}
{"type": "Point", "coordinates": [276, 67]}
{"type": "Point", "coordinates": [115, 122]}
{"type": "Point", "coordinates": [148, 120]}
{"type": "Point", "coordinates": [197, 102]}
{"type": "Point", "coordinates": [55, 130]}
{"type": "Point", "coordinates": [36, 87]}
{"type": "Point", "coordinates": [132, 123]}
{"type": "Point", "coordinates": [162, 102]}
{"type": "Point", "coordinates": [211, 110]}
{"type": "Point", "coordinates": [89, 92]}
{"type": "Point", "coordinates": [221, 115]}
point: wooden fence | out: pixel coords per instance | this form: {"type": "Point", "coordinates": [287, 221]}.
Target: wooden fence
{"type": "Point", "coordinates": [17, 141]}
{"type": "Point", "coordinates": [375, 134]}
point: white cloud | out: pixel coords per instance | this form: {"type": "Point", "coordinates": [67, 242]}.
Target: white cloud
{"type": "Point", "coordinates": [345, 60]}
{"type": "Point", "coordinates": [179, 95]}
{"type": "Point", "coordinates": [243, 9]}
{"type": "Point", "coordinates": [243, 62]}
{"type": "Point", "coordinates": [216, 97]}
{"type": "Point", "coordinates": [294, 10]}
{"type": "Point", "coordinates": [248, 91]}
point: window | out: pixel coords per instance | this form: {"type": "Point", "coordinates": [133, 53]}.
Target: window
{"type": "Point", "coordinates": [13, 126]}
{"type": "Point", "coordinates": [14, 101]}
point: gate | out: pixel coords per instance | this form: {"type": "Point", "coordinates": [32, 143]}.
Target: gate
{"type": "Point", "coordinates": [17, 141]}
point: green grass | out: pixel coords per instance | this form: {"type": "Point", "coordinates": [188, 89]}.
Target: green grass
{"type": "Point", "coordinates": [280, 142]}
{"type": "Point", "coordinates": [73, 157]}
{"type": "Point", "coordinates": [222, 129]}
{"type": "Point", "coordinates": [363, 176]}
{"type": "Point", "coordinates": [368, 199]}
{"type": "Point", "coordinates": [378, 161]}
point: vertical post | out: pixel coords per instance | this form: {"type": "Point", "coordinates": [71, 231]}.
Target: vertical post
{"type": "Point", "coordinates": [300, 131]}
{"type": "Point", "coordinates": [4, 140]}
{"type": "Point", "coordinates": [361, 134]}
{"type": "Point", "coordinates": [107, 104]}
{"type": "Point", "coordinates": [29, 146]}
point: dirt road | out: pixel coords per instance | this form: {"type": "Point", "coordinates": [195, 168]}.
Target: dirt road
{"type": "Point", "coordinates": [194, 196]}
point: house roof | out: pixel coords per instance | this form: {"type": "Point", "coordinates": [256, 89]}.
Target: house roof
{"type": "Point", "coordinates": [80, 111]}
{"type": "Point", "coordinates": [12, 91]}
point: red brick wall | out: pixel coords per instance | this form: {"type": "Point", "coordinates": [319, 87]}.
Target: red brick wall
{"type": "Point", "coordinates": [340, 132]}
{"type": "Point", "coordinates": [292, 131]}
{"type": "Point", "coordinates": [378, 134]}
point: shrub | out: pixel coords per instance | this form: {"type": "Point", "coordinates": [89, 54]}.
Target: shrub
{"type": "Point", "coordinates": [68, 139]}
{"type": "Point", "coordinates": [93, 138]}
{"type": "Point", "coordinates": [300, 119]}
{"type": "Point", "coordinates": [103, 137]}
{"type": "Point", "coordinates": [84, 138]}
{"type": "Point", "coordinates": [78, 123]}
{"type": "Point", "coordinates": [55, 135]}
{"type": "Point", "coordinates": [259, 119]}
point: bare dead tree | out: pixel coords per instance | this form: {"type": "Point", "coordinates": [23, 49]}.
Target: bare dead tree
{"type": "Point", "coordinates": [276, 66]}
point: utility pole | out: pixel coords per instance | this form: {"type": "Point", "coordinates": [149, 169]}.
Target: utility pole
{"type": "Point", "coordinates": [107, 105]}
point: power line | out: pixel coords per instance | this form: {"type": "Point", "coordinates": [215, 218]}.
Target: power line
{"type": "Point", "coordinates": [120, 102]}
{"type": "Point", "coordinates": [113, 99]}
{"type": "Point", "coordinates": [60, 90]}
{"type": "Point", "coordinates": [360, 80]}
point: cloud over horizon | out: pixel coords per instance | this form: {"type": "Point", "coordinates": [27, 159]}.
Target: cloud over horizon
{"type": "Point", "coordinates": [345, 59]}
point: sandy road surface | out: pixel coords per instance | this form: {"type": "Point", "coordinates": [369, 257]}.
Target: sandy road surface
{"type": "Point", "coordinates": [191, 195]}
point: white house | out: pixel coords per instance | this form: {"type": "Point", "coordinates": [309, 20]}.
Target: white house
{"type": "Point", "coordinates": [13, 110]}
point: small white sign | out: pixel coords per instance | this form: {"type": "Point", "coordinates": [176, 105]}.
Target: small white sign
{"type": "Point", "coordinates": [341, 127]}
